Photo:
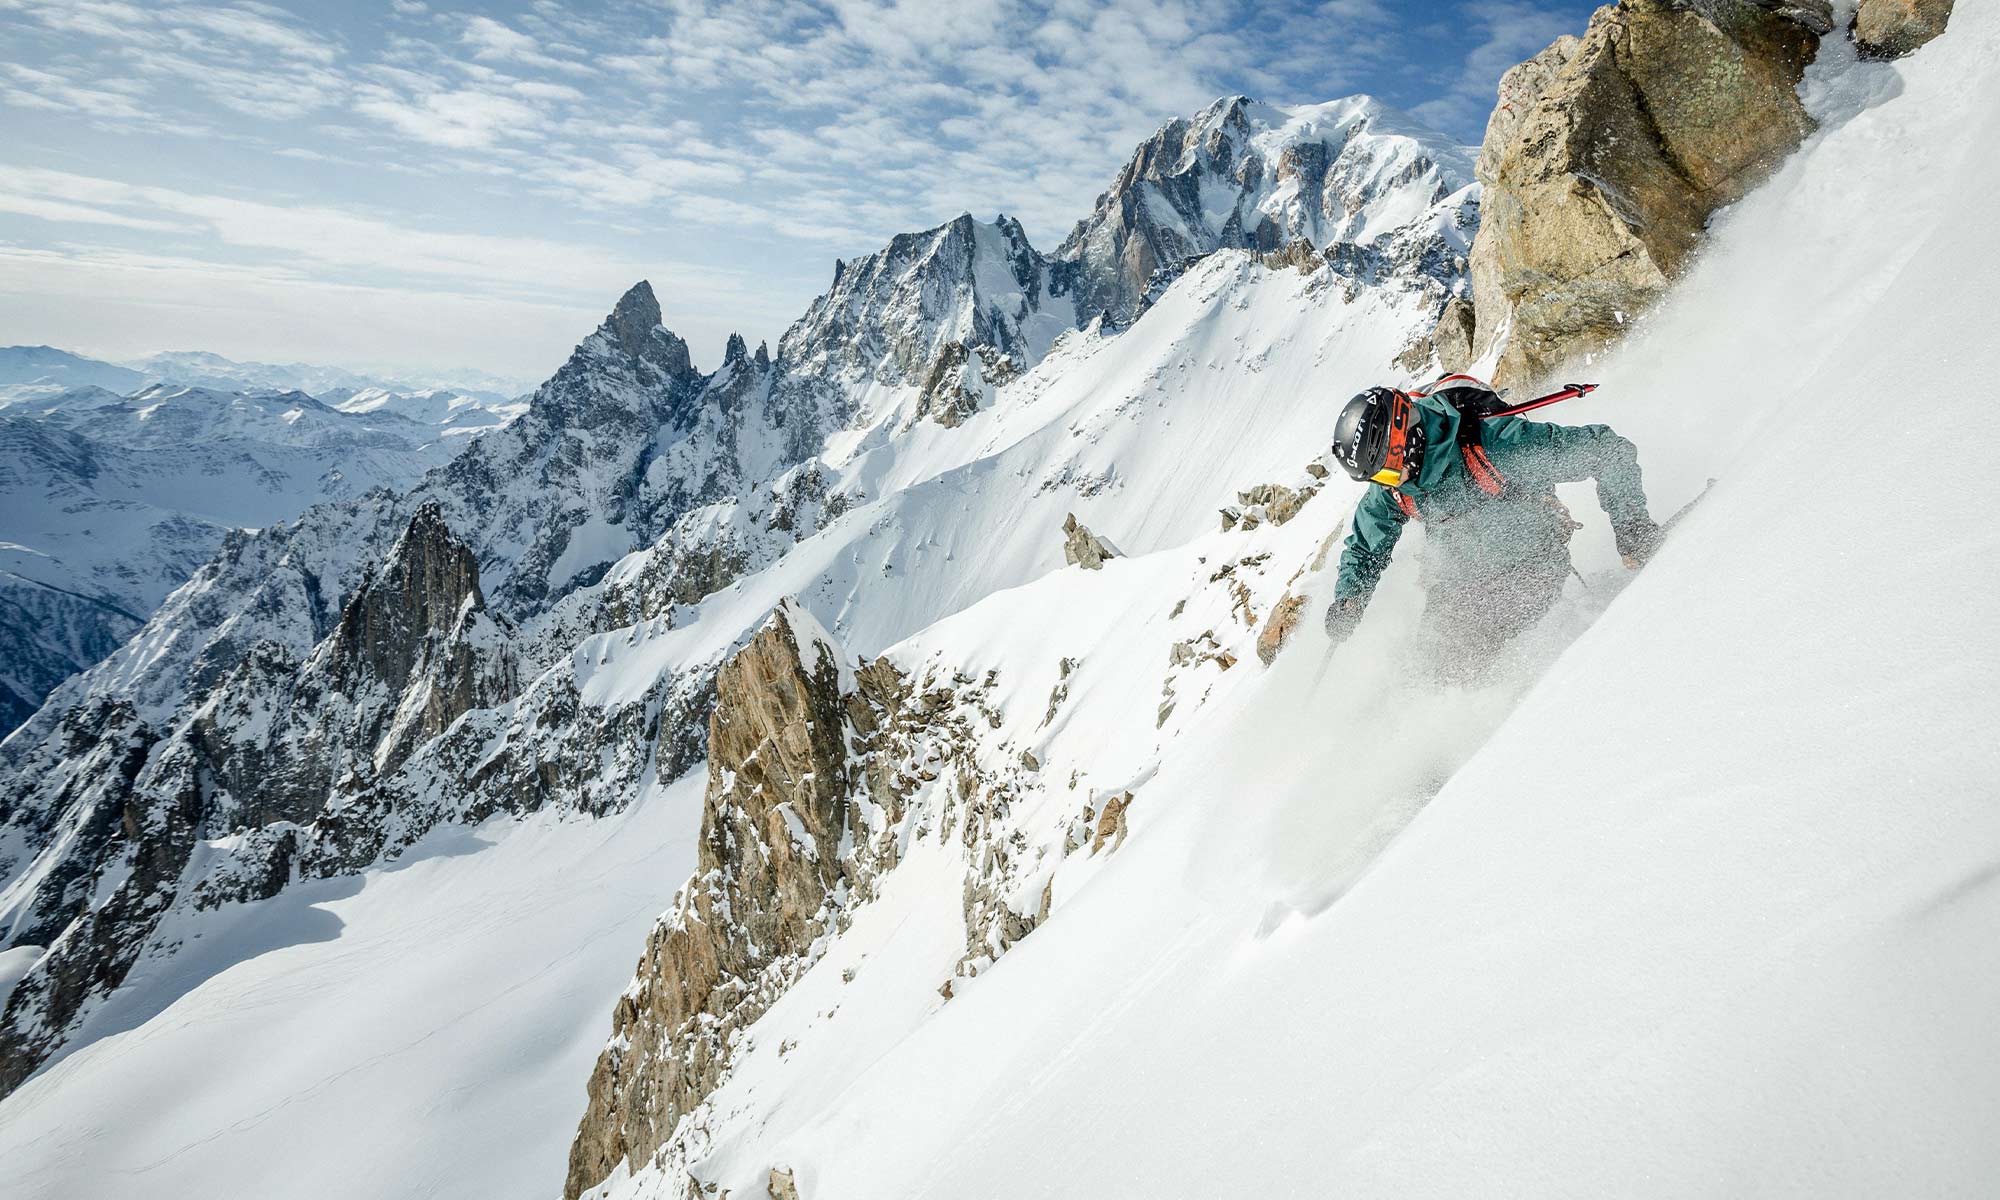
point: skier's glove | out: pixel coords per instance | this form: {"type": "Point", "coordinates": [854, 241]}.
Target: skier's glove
{"type": "Point", "coordinates": [1341, 618]}
{"type": "Point", "coordinates": [1638, 541]}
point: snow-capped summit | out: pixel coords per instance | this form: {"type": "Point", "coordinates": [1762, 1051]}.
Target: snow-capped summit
{"type": "Point", "coordinates": [1240, 173]}
{"type": "Point", "coordinates": [888, 315]}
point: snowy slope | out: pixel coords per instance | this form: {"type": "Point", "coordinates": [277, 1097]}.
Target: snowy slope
{"type": "Point", "coordinates": [1708, 913]}
{"type": "Point", "coordinates": [432, 1018]}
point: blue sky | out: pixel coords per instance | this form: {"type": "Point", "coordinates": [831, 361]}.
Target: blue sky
{"type": "Point", "coordinates": [422, 183]}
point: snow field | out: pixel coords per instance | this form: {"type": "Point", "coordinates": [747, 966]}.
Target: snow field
{"type": "Point", "coordinates": [424, 1029]}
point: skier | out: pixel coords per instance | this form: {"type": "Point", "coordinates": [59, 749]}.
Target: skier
{"type": "Point", "coordinates": [1498, 544]}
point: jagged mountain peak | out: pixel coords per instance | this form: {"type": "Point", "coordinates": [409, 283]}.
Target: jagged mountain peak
{"type": "Point", "coordinates": [889, 314]}
{"type": "Point", "coordinates": [633, 317]}
{"type": "Point", "coordinates": [735, 350]}
{"type": "Point", "coordinates": [428, 580]}
{"type": "Point", "coordinates": [634, 328]}
{"type": "Point", "coordinates": [1247, 174]}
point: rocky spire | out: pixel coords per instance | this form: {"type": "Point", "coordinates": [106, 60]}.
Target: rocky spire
{"type": "Point", "coordinates": [763, 359]}
{"type": "Point", "coordinates": [634, 327]}
{"type": "Point", "coordinates": [735, 351]}
{"type": "Point", "coordinates": [430, 577]}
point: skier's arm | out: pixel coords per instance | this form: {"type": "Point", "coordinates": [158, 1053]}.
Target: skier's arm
{"type": "Point", "coordinates": [1536, 453]}
{"type": "Point", "coordinates": [1378, 523]}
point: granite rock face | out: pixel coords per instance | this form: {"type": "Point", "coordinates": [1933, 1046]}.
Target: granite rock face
{"type": "Point", "coordinates": [769, 858]}
{"type": "Point", "coordinates": [1606, 155]}
{"type": "Point", "coordinates": [1893, 28]}
{"type": "Point", "coordinates": [1082, 548]}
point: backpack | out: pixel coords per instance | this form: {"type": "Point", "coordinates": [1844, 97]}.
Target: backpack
{"type": "Point", "coordinates": [1476, 402]}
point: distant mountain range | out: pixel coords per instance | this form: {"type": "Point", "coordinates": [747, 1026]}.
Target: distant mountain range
{"type": "Point", "coordinates": [116, 482]}
{"type": "Point", "coordinates": [39, 369]}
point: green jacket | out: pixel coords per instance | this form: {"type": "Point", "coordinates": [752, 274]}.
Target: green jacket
{"type": "Point", "coordinates": [1481, 535]}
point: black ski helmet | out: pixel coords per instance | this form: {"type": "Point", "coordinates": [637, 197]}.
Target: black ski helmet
{"type": "Point", "coordinates": [1361, 435]}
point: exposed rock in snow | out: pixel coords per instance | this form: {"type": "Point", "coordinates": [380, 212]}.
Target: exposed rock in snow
{"type": "Point", "coordinates": [775, 825]}
{"type": "Point", "coordinates": [1607, 154]}
{"type": "Point", "coordinates": [781, 1185]}
{"type": "Point", "coordinates": [1352, 172]}
{"type": "Point", "coordinates": [1082, 548]}
{"type": "Point", "coordinates": [1893, 28]}
{"type": "Point", "coordinates": [961, 382]}
{"type": "Point", "coordinates": [814, 764]}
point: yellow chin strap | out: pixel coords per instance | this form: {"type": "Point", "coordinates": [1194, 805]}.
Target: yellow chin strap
{"type": "Point", "coordinates": [1387, 478]}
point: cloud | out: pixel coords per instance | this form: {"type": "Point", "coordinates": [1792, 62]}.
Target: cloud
{"type": "Point", "coordinates": [1510, 32]}
{"type": "Point", "coordinates": [257, 27]}
{"type": "Point", "coordinates": [32, 88]}
{"type": "Point", "coordinates": [304, 235]}
{"type": "Point", "coordinates": [464, 119]}
{"type": "Point", "coordinates": [492, 41]}
{"type": "Point", "coordinates": [44, 209]}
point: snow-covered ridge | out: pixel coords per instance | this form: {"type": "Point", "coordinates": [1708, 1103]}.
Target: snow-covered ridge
{"type": "Point", "coordinates": [1351, 173]}
{"type": "Point", "coordinates": [200, 368]}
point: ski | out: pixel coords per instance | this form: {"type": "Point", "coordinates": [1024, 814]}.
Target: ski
{"type": "Point", "coordinates": [1687, 508]}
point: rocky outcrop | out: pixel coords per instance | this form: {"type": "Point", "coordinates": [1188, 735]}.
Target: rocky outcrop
{"type": "Point", "coordinates": [1082, 548]}
{"type": "Point", "coordinates": [1293, 607]}
{"type": "Point", "coordinates": [961, 382]}
{"type": "Point", "coordinates": [769, 861]}
{"type": "Point", "coordinates": [781, 1185]}
{"type": "Point", "coordinates": [1606, 155]}
{"type": "Point", "coordinates": [1893, 28]}
{"type": "Point", "coordinates": [1272, 503]}
{"type": "Point", "coordinates": [814, 762]}
{"type": "Point", "coordinates": [1452, 340]}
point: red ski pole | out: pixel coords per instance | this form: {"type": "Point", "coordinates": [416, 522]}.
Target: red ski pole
{"type": "Point", "coordinates": [1569, 392]}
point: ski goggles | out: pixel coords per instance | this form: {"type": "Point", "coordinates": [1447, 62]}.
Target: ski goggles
{"type": "Point", "coordinates": [1397, 452]}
